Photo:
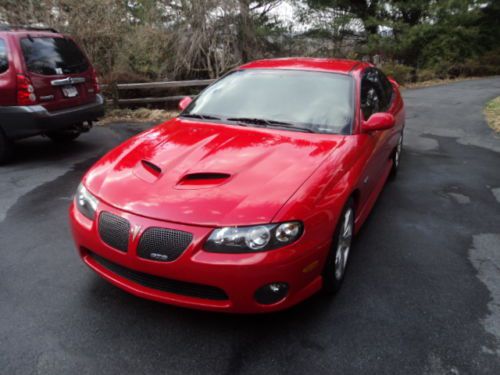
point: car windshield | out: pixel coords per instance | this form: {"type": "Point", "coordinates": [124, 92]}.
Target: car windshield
{"type": "Point", "coordinates": [319, 102]}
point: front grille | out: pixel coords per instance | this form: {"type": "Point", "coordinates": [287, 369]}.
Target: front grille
{"type": "Point", "coordinates": [163, 284]}
{"type": "Point", "coordinates": [114, 231]}
{"type": "Point", "coordinates": [162, 244]}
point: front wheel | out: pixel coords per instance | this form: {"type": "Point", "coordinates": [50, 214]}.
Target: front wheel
{"type": "Point", "coordinates": [396, 157]}
{"type": "Point", "coordinates": [336, 264]}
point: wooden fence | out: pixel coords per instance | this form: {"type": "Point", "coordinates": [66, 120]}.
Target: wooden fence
{"type": "Point", "coordinates": [114, 91]}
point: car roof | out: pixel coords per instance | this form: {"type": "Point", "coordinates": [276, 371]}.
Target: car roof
{"type": "Point", "coordinates": [306, 63]}
{"type": "Point", "coordinates": [34, 34]}
{"type": "Point", "coordinates": [32, 30]}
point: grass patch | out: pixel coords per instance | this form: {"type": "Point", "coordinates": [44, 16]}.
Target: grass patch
{"type": "Point", "coordinates": [137, 115]}
{"type": "Point", "coordinates": [492, 113]}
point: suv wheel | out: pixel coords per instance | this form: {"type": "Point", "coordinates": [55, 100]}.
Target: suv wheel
{"type": "Point", "coordinates": [64, 136]}
{"type": "Point", "coordinates": [5, 148]}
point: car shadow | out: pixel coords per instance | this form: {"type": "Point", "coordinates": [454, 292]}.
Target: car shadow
{"type": "Point", "coordinates": [43, 150]}
{"type": "Point", "coordinates": [89, 145]}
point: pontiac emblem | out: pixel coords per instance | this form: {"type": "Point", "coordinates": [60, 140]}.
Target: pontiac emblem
{"type": "Point", "coordinates": [136, 229]}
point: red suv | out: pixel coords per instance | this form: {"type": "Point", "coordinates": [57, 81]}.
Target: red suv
{"type": "Point", "coordinates": [47, 87]}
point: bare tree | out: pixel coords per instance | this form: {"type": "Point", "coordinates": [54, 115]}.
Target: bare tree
{"type": "Point", "coordinates": [204, 36]}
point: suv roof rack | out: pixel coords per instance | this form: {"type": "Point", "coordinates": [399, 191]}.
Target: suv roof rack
{"type": "Point", "coordinates": [7, 27]}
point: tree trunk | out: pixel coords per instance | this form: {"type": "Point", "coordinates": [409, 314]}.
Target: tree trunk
{"type": "Point", "coordinates": [247, 37]}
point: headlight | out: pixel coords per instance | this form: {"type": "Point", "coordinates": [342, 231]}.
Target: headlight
{"type": "Point", "coordinates": [86, 202]}
{"type": "Point", "coordinates": [254, 238]}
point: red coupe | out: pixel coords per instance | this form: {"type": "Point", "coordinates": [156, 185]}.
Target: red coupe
{"type": "Point", "coordinates": [249, 199]}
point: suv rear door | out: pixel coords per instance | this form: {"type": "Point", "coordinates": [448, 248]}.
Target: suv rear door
{"type": "Point", "coordinates": [59, 71]}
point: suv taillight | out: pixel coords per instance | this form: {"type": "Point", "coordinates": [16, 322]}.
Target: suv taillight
{"type": "Point", "coordinates": [95, 82]}
{"type": "Point", "coordinates": [25, 91]}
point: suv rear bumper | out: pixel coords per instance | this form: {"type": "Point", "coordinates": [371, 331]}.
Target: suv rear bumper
{"type": "Point", "coordinates": [25, 121]}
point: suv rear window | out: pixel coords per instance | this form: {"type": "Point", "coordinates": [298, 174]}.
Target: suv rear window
{"type": "Point", "coordinates": [4, 62]}
{"type": "Point", "coordinates": [53, 56]}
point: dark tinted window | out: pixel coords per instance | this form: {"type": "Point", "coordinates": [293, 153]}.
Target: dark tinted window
{"type": "Point", "coordinates": [51, 56]}
{"type": "Point", "coordinates": [372, 96]}
{"type": "Point", "coordinates": [320, 101]}
{"type": "Point", "coordinates": [4, 63]}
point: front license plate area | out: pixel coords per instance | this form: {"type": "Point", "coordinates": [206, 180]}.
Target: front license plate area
{"type": "Point", "coordinates": [70, 91]}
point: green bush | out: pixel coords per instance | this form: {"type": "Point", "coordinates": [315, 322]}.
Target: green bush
{"type": "Point", "coordinates": [491, 58]}
{"type": "Point", "coordinates": [484, 65]}
{"type": "Point", "coordinates": [426, 74]}
{"type": "Point", "coordinates": [401, 73]}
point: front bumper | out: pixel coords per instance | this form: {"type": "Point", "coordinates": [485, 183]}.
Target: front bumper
{"type": "Point", "coordinates": [237, 275]}
{"type": "Point", "coordinates": [25, 121]}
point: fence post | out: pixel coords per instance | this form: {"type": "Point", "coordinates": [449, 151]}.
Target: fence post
{"type": "Point", "coordinates": [115, 95]}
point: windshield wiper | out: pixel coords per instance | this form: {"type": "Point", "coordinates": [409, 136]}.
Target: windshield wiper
{"type": "Point", "coordinates": [250, 120]}
{"type": "Point", "coordinates": [203, 117]}
{"type": "Point", "coordinates": [270, 123]}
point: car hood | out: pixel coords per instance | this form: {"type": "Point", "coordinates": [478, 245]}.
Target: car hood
{"type": "Point", "coordinates": [208, 174]}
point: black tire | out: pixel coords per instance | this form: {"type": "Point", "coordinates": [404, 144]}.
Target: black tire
{"type": "Point", "coordinates": [396, 157]}
{"type": "Point", "coordinates": [5, 148]}
{"type": "Point", "coordinates": [332, 278]}
{"type": "Point", "coordinates": [64, 136]}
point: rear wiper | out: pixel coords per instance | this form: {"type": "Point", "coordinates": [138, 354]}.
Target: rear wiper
{"type": "Point", "coordinates": [203, 117]}
{"type": "Point", "coordinates": [270, 123]}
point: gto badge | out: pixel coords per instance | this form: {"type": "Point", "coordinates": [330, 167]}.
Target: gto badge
{"type": "Point", "coordinates": [135, 231]}
{"type": "Point", "coordinates": [157, 256]}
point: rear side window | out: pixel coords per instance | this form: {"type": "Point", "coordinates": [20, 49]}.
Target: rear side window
{"type": "Point", "coordinates": [376, 92]}
{"type": "Point", "coordinates": [53, 56]}
{"type": "Point", "coordinates": [387, 87]}
{"type": "Point", "coordinates": [372, 95]}
{"type": "Point", "coordinates": [4, 62]}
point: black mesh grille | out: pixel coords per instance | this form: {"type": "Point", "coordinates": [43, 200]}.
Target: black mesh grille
{"type": "Point", "coordinates": [162, 244]}
{"type": "Point", "coordinates": [163, 284]}
{"type": "Point", "coordinates": [114, 231]}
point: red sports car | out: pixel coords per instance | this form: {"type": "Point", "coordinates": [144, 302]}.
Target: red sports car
{"type": "Point", "coordinates": [249, 199]}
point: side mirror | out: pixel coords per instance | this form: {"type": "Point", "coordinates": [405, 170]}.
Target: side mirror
{"type": "Point", "coordinates": [184, 102]}
{"type": "Point", "coordinates": [378, 121]}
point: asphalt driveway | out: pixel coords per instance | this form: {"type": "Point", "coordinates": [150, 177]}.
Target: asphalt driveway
{"type": "Point", "coordinates": [422, 295]}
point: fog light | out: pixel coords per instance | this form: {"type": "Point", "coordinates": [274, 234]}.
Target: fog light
{"type": "Point", "coordinates": [271, 293]}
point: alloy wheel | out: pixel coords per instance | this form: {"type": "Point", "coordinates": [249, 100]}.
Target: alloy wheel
{"type": "Point", "coordinates": [344, 243]}
{"type": "Point", "coordinates": [397, 154]}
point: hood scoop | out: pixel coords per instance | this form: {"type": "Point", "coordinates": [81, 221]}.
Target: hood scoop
{"type": "Point", "coordinates": [200, 180]}
{"type": "Point", "coordinates": [150, 167]}
{"type": "Point", "coordinates": [147, 171]}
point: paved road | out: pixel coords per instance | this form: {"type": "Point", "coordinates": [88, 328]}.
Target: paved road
{"type": "Point", "coordinates": [422, 295]}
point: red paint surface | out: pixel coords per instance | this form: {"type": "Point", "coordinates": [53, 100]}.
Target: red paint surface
{"type": "Point", "coordinates": [274, 176]}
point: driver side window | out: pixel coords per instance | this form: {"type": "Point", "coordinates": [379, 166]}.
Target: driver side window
{"type": "Point", "coordinates": [371, 94]}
